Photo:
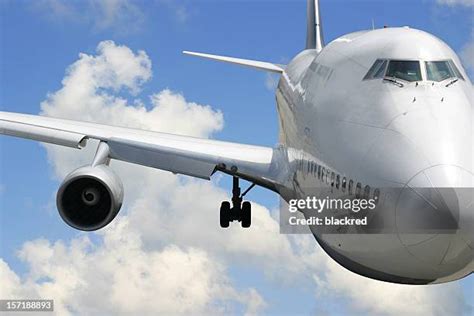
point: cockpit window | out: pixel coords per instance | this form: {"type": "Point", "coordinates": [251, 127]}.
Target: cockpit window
{"type": "Point", "coordinates": [442, 70]}
{"type": "Point", "coordinates": [439, 71]}
{"type": "Point", "coordinates": [410, 70]}
{"type": "Point", "coordinates": [456, 70]}
{"type": "Point", "coordinates": [405, 70]}
{"type": "Point", "coordinates": [377, 70]}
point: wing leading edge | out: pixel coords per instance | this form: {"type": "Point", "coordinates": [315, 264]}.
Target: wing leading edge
{"type": "Point", "coordinates": [186, 155]}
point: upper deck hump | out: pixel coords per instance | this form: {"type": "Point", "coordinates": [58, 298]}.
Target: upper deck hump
{"type": "Point", "coordinates": [399, 43]}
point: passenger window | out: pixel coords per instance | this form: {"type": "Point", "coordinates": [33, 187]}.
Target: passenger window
{"type": "Point", "coordinates": [344, 184]}
{"type": "Point", "coordinates": [323, 174]}
{"type": "Point", "coordinates": [366, 192]}
{"type": "Point", "coordinates": [319, 172]}
{"type": "Point", "coordinates": [376, 196]}
{"type": "Point", "coordinates": [338, 182]}
{"type": "Point", "coordinates": [333, 176]}
{"type": "Point", "coordinates": [351, 186]}
{"type": "Point", "coordinates": [358, 190]}
{"type": "Point", "coordinates": [377, 70]}
{"type": "Point", "coordinates": [328, 172]}
{"type": "Point", "coordinates": [405, 70]}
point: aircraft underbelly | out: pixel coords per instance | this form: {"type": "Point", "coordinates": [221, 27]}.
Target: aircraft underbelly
{"type": "Point", "coordinates": [395, 253]}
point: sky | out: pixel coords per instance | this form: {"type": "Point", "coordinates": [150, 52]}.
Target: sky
{"type": "Point", "coordinates": [119, 62]}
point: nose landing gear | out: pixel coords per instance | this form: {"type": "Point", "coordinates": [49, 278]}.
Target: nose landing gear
{"type": "Point", "coordinates": [240, 211]}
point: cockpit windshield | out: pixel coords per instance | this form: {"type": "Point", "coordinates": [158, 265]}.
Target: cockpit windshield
{"type": "Point", "coordinates": [377, 70]}
{"type": "Point", "coordinates": [441, 70]}
{"type": "Point", "coordinates": [411, 70]}
{"type": "Point", "coordinates": [405, 70]}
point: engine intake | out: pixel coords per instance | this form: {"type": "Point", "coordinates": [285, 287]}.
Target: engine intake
{"type": "Point", "coordinates": [90, 197]}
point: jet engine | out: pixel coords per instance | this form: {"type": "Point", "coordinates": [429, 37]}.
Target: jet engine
{"type": "Point", "coordinates": [90, 197]}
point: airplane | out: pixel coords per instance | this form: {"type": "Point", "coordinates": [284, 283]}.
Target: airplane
{"type": "Point", "coordinates": [384, 113]}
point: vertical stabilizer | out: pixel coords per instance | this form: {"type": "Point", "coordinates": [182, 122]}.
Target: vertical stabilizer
{"type": "Point", "coordinates": [314, 33]}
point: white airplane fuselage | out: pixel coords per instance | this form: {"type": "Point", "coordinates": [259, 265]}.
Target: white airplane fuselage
{"type": "Point", "coordinates": [390, 137]}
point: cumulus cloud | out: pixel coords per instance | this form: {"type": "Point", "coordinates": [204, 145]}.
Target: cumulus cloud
{"type": "Point", "coordinates": [381, 298]}
{"type": "Point", "coordinates": [91, 92]}
{"type": "Point", "coordinates": [165, 251]}
{"type": "Point", "coordinates": [121, 277]}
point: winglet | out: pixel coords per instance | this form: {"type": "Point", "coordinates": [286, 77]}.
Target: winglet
{"type": "Point", "coordinates": [261, 65]}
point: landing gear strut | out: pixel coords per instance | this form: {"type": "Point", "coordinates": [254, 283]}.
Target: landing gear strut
{"type": "Point", "coordinates": [239, 211]}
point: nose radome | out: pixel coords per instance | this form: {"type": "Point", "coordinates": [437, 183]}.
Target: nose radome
{"type": "Point", "coordinates": [437, 200]}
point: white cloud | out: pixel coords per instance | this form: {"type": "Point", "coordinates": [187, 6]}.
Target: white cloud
{"type": "Point", "coordinates": [468, 3]}
{"type": "Point", "coordinates": [120, 15]}
{"type": "Point", "coordinates": [90, 89]}
{"type": "Point", "coordinates": [110, 13]}
{"type": "Point", "coordinates": [165, 251]}
{"type": "Point", "coordinates": [115, 67]}
{"type": "Point", "coordinates": [381, 298]}
{"type": "Point", "coordinates": [121, 277]}
{"type": "Point", "coordinates": [180, 11]}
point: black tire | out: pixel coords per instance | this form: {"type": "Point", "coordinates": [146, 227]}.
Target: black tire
{"type": "Point", "coordinates": [224, 214]}
{"type": "Point", "coordinates": [246, 214]}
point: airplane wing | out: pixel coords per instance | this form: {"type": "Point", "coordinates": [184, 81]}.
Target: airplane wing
{"type": "Point", "coordinates": [261, 65]}
{"type": "Point", "coordinates": [178, 154]}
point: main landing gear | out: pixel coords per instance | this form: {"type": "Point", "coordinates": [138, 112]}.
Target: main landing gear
{"type": "Point", "coordinates": [241, 212]}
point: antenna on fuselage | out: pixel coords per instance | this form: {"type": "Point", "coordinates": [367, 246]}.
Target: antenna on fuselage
{"type": "Point", "coordinates": [314, 32]}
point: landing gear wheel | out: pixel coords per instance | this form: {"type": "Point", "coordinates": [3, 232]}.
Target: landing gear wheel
{"type": "Point", "coordinates": [239, 211]}
{"type": "Point", "coordinates": [246, 214]}
{"type": "Point", "coordinates": [225, 214]}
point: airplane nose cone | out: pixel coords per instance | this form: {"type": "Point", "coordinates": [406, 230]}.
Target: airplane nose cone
{"type": "Point", "coordinates": [437, 200]}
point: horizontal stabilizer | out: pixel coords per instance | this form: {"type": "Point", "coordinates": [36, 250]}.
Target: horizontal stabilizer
{"type": "Point", "coordinates": [261, 65]}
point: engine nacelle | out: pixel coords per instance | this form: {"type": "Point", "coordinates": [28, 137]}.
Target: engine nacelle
{"type": "Point", "coordinates": [90, 197]}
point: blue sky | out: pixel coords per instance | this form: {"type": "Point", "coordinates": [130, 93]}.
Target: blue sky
{"type": "Point", "coordinates": [40, 40]}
